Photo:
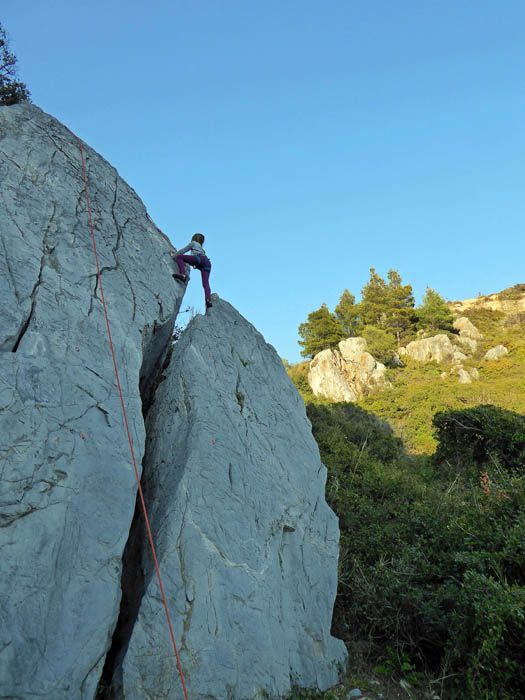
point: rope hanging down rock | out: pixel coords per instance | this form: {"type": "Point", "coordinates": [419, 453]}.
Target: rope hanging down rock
{"type": "Point", "coordinates": [144, 511]}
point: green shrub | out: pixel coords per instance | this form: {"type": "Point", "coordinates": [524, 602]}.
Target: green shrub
{"type": "Point", "coordinates": [381, 344]}
{"type": "Point", "coordinates": [430, 566]}
{"type": "Point", "coordinates": [483, 436]}
{"type": "Point", "coordinates": [338, 425]}
{"type": "Point", "coordinates": [298, 373]}
{"type": "Point", "coordinates": [487, 630]}
{"type": "Point", "coordinates": [418, 391]}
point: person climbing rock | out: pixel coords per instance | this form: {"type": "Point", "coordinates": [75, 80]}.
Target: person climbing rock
{"type": "Point", "coordinates": [198, 259]}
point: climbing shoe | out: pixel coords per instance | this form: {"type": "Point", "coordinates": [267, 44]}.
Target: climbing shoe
{"type": "Point", "coordinates": [208, 304]}
{"type": "Point", "coordinates": [178, 276]}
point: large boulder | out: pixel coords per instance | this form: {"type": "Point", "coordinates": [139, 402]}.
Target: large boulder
{"type": "Point", "coordinates": [232, 477]}
{"type": "Point", "coordinates": [347, 372]}
{"type": "Point", "coordinates": [464, 377]}
{"type": "Point", "coordinates": [244, 535]}
{"type": "Point", "coordinates": [467, 329]}
{"type": "Point", "coordinates": [67, 489]}
{"type": "Point", "coordinates": [458, 356]}
{"type": "Point", "coordinates": [496, 353]}
{"type": "Point", "coordinates": [438, 348]}
{"type": "Point", "coordinates": [467, 344]}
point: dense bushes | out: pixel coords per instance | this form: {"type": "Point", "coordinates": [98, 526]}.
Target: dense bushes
{"type": "Point", "coordinates": [345, 427]}
{"type": "Point", "coordinates": [298, 373]}
{"type": "Point", "coordinates": [483, 436]}
{"type": "Point", "coordinates": [431, 564]}
{"type": "Point", "coordinates": [381, 344]}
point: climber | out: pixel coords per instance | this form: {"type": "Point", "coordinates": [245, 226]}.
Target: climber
{"type": "Point", "coordinates": [198, 259]}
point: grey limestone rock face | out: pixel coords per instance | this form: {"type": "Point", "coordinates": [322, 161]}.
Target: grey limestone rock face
{"type": "Point", "coordinates": [67, 486]}
{"type": "Point", "coordinates": [232, 476]}
{"type": "Point", "coordinates": [245, 539]}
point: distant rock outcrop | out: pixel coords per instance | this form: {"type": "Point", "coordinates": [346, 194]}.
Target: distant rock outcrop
{"type": "Point", "coordinates": [467, 329]}
{"type": "Point", "coordinates": [469, 345]}
{"type": "Point", "coordinates": [231, 472]}
{"type": "Point", "coordinates": [510, 301]}
{"type": "Point", "coordinates": [438, 348]}
{"type": "Point", "coordinates": [496, 353]}
{"type": "Point", "coordinates": [347, 372]}
{"type": "Point", "coordinates": [466, 376]}
{"type": "Point", "coordinates": [458, 356]}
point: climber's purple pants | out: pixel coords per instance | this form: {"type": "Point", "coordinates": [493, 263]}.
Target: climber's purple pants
{"type": "Point", "coordinates": [203, 264]}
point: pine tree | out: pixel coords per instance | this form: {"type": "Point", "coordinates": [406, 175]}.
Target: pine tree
{"type": "Point", "coordinates": [374, 301]}
{"type": "Point", "coordinates": [321, 331]}
{"type": "Point", "coordinates": [346, 313]}
{"type": "Point", "coordinates": [434, 314]}
{"type": "Point", "coordinates": [388, 306]}
{"type": "Point", "coordinates": [381, 344]}
{"type": "Point", "coordinates": [401, 316]}
{"type": "Point", "coordinates": [11, 90]}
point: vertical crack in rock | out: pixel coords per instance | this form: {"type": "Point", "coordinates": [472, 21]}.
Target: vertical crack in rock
{"type": "Point", "coordinates": [155, 362]}
{"type": "Point", "coordinates": [110, 684]}
{"type": "Point", "coordinates": [46, 250]}
{"type": "Point", "coordinates": [26, 323]}
{"type": "Point", "coordinates": [243, 529]}
{"type": "Point", "coordinates": [64, 455]}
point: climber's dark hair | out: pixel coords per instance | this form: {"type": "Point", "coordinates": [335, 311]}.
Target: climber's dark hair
{"type": "Point", "coordinates": [198, 237]}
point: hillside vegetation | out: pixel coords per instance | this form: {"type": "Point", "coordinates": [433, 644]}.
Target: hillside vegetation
{"type": "Point", "coordinates": [432, 551]}
{"type": "Point", "coordinates": [418, 391]}
{"type": "Point", "coordinates": [428, 481]}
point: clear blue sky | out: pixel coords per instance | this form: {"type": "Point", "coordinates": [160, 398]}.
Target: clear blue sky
{"type": "Point", "coordinates": [308, 140]}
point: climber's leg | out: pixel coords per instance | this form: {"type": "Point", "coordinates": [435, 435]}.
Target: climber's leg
{"type": "Point", "coordinates": [181, 259]}
{"type": "Point", "coordinates": [205, 276]}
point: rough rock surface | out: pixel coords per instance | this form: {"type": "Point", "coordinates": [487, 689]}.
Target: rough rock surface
{"type": "Point", "coordinates": [510, 301]}
{"type": "Point", "coordinates": [496, 353]}
{"type": "Point", "coordinates": [347, 372]}
{"type": "Point", "coordinates": [458, 356]}
{"type": "Point", "coordinates": [468, 344]}
{"type": "Point", "coordinates": [244, 534]}
{"type": "Point", "coordinates": [463, 376]}
{"type": "Point", "coordinates": [67, 486]}
{"type": "Point", "coordinates": [467, 329]}
{"type": "Point", "coordinates": [67, 489]}
{"type": "Point", "coordinates": [438, 348]}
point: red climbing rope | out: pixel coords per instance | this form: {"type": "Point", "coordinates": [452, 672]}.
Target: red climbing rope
{"type": "Point", "coordinates": [146, 519]}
